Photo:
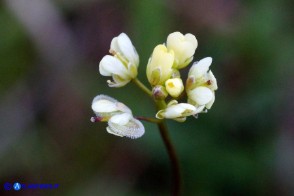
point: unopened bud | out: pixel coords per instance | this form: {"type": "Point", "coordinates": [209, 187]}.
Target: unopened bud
{"type": "Point", "coordinates": [174, 86]}
{"type": "Point", "coordinates": [159, 92]}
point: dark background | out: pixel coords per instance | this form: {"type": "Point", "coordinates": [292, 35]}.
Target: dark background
{"type": "Point", "coordinates": [49, 56]}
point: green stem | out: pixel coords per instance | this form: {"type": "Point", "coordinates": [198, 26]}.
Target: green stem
{"type": "Point", "coordinates": [152, 120]}
{"type": "Point", "coordinates": [142, 86]}
{"type": "Point", "coordinates": [176, 188]}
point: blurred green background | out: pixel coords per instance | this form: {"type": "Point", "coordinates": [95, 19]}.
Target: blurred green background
{"type": "Point", "coordinates": [49, 56]}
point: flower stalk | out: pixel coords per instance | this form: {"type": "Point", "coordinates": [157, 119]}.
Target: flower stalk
{"type": "Point", "coordinates": [142, 86]}
{"type": "Point", "coordinates": [147, 119]}
{"type": "Point", "coordinates": [175, 166]}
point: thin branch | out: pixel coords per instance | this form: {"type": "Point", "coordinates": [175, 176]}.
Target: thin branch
{"type": "Point", "coordinates": [148, 119]}
{"type": "Point", "coordinates": [142, 86]}
{"type": "Point", "coordinates": [176, 188]}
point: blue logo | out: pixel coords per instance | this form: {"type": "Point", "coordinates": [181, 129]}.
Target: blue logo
{"type": "Point", "coordinates": [7, 186]}
{"type": "Point", "coordinates": [17, 186]}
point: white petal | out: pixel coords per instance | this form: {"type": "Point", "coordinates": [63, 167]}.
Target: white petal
{"type": "Point", "coordinates": [103, 103]}
{"type": "Point", "coordinates": [198, 69]}
{"type": "Point", "coordinates": [192, 39]}
{"type": "Point", "coordinates": [111, 131]}
{"type": "Point", "coordinates": [99, 97]}
{"type": "Point", "coordinates": [103, 106]}
{"type": "Point", "coordinates": [187, 106]}
{"type": "Point", "coordinates": [133, 129]}
{"type": "Point", "coordinates": [110, 65]}
{"type": "Point", "coordinates": [121, 119]}
{"type": "Point", "coordinates": [173, 111]}
{"type": "Point", "coordinates": [184, 47]}
{"type": "Point", "coordinates": [173, 39]}
{"type": "Point", "coordinates": [114, 45]}
{"type": "Point", "coordinates": [209, 104]}
{"type": "Point", "coordinates": [123, 108]}
{"type": "Point", "coordinates": [127, 49]}
{"type": "Point", "coordinates": [179, 110]}
{"type": "Point", "coordinates": [201, 95]}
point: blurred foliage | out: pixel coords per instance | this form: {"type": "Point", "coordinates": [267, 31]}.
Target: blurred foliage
{"type": "Point", "coordinates": [16, 53]}
{"type": "Point", "coordinates": [231, 150]}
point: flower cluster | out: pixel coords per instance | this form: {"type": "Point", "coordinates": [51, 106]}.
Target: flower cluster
{"type": "Point", "coordinates": [163, 73]}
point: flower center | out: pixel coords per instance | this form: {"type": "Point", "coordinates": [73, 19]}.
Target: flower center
{"type": "Point", "coordinates": [171, 85]}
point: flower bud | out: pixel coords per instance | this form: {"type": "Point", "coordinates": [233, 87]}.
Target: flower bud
{"type": "Point", "coordinates": [159, 92]}
{"type": "Point", "coordinates": [159, 68]}
{"type": "Point", "coordinates": [174, 86]}
{"type": "Point", "coordinates": [184, 47]}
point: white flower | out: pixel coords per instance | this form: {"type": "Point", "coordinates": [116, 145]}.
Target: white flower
{"type": "Point", "coordinates": [174, 86]}
{"type": "Point", "coordinates": [159, 68]}
{"type": "Point", "coordinates": [184, 47]}
{"type": "Point", "coordinates": [123, 48]}
{"type": "Point", "coordinates": [121, 74]}
{"type": "Point", "coordinates": [120, 119]}
{"type": "Point", "coordinates": [201, 84]}
{"type": "Point", "coordinates": [177, 111]}
{"type": "Point", "coordinates": [200, 76]}
{"type": "Point", "coordinates": [123, 65]}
